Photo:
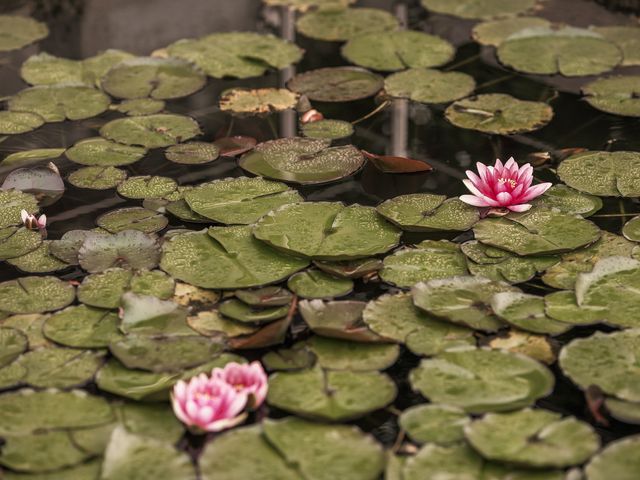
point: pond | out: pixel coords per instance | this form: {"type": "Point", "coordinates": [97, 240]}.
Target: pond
{"type": "Point", "coordinates": [209, 186]}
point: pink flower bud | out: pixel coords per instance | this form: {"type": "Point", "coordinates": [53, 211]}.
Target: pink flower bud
{"type": "Point", "coordinates": [250, 380]}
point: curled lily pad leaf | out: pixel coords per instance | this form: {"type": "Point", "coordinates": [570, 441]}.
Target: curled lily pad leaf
{"type": "Point", "coordinates": [526, 312]}
{"type": "Point", "coordinates": [16, 242]}
{"type": "Point", "coordinates": [618, 460]}
{"type": "Point", "coordinates": [241, 312]}
{"type": "Point", "coordinates": [12, 342]}
{"type": "Point", "coordinates": [12, 202]}
{"type": "Point", "coordinates": [568, 51]}
{"type": "Point", "coordinates": [257, 101]}
{"type": "Point", "coordinates": [424, 212]}
{"type": "Point", "coordinates": [140, 106]}
{"type": "Point", "coordinates": [302, 160]}
{"type": "Point", "coordinates": [31, 326]}
{"type": "Point", "coordinates": [350, 268]}
{"type": "Point", "coordinates": [336, 84]}
{"type": "Point", "coordinates": [325, 451]}
{"type": "Point", "coordinates": [56, 103]}
{"type": "Point", "coordinates": [192, 153]}
{"type": "Point", "coordinates": [129, 248]}
{"type": "Point", "coordinates": [391, 51]}
{"type": "Point", "coordinates": [240, 200]}
{"type": "Point", "coordinates": [327, 231]}
{"type": "Point", "coordinates": [60, 367]}
{"type": "Point", "coordinates": [147, 186]}
{"type": "Point", "coordinates": [563, 306]}
{"type": "Point", "coordinates": [327, 129]}
{"type": "Point", "coordinates": [538, 347]}
{"type": "Point", "coordinates": [616, 95]}
{"type": "Point", "coordinates": [28, 157]}
{"type": "Point", "coordinates": [133, 218]}
{"type": "Point", "coordinates": [494, 32]}
{"type": "Point", "coordinates": [236, 54]}
{"type": "Point", "coordinates": [148, 315]}
{"type": "Point", "coordinates": [318, 284]}
{"type": "Point", "coordinates": [236, 145]}
{"type": "Point", "coordinates": [431, 259]}
{"type": "Point", "coordinates": [330, 395]}
{"type": "Point", "coordinates": [499, 113]}
{"type": "Point", "coordinates": [19, 31]}
{"type": "Point", "coordinates": [631, 229]}
{"type": "Point", "coordinates": [393, 164]}
{"type": "Point", "coordinates": [473, 9]}
{"type": "Point", "coordinates": [151, 131]}
{"type": "Point", "coordinates": [97, 151]}
{"type": "Point", "coordinates": [212, 324]}
{"type": "Point", "coordinates": [537, 232]}
{"type": "Point", "coordinates": [482, 380]}
{"type": "Point", "coordinates": [159, 78]}
{"type": "Point", "coordinates": [463, 300]}
{"type": "Point", "coordinates": [265, 297]}
{"type": "Point", "coordinates": [227, 258]}
{"type": "Point", "coordinates": [627, 412]}
{"type": "Point", "coordinates": [39, 260]}
{"type": "Point", "coordinates": [603, 173]}
{"type": "Point", "coordinates": [82, 327]}
{"type": "Point", "coordinates": [334, 354]}
{"type": "Point", "coordinates": [568, 200]}
{"type": "Point", "coordinates": [35, 294]}
{"type": "Point", "coordinates": [14, 123]}
{"type": "Point", "coordinates": [395, 317]}
{"type": "Point", "coordinates": [97, 178]}
{"type": "Point", "coordinates": [434, 423]}
{"type": "Point", "coordinates": [344, 24]}
{"type": "Point", "coordinates": [535, 438]}
{"type": "Point", "coordinates": [43, 182]}
{"type": "Point", "coordinates": [426, 85]}
{"type": "Point", "coordinates": [337, 319]}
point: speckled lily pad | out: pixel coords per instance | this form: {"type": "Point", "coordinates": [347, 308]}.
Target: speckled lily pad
{"type": "Point", "coordinates": [97, 178]}
{"type": "Point", "coordinates": [133, 218]}
{"type": "Point", "coordinates": [473, 9]}
{"type": "Point", "coordinates": [616, 95]}
{"type": "Point", "coordinates": [82, 327]}
{"type": "Point", "coordinates": [336, 84]}
{"type": "Point", "coordinates": [318, 284]}
{"type": "Point", "coordinates": [19, 31]}
{"type": "Point", "coordinates": [151, 131]}
{"type": "Point", "coordinates": [327, 129]}
{"type": "Point", "coordinates": [494, 32]}
{"type": "Point", "coordinates": [429, 86]}
{"type": "Point", "coordinates": [14, 123]}
{"type": "Point", "coordinates": [97, 151]}
{"type": "Point", "coordinates": [35, 294]}
{"type": "Point", "coordinates": [147, 186]}
{"type": "Point", "coordinates": [526, 312]}
{"type": "Point", "coordinates": [344, 24]}
{"type": "Point", "coordinates": [39, 260]}
{"type": "Point", "coordinates": [257, 101]}
{"type": "Point", "coordinates": [128, 248]}
{"type": "Point", "coordinates": [192, 153]}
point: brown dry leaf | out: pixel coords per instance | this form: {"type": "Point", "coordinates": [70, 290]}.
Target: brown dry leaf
{"type": "Point", "coordinates": [391, 164]}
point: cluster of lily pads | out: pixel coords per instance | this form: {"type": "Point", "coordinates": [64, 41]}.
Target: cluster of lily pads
{"type": "Point", "coordinates": [104, 322]}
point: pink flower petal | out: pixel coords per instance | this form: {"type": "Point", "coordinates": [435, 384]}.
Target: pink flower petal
{"type": "Point", "coordinates": [535, 191]}
{"type": "Point", "coordinates": [504, 198]}
{"type": "Point", "coordinates": [519, 208]}
{"type": "Point", "coordinates": [475, 201]}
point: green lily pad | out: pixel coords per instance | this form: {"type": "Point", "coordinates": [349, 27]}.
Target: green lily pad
{"type": "Point", "coordinates": [236, 54]}
{"type": "Point", "coordinates": [473, 9]}
{"type": "Point", "coordinates": [434, 423]}
{"type": "Point", "coordinates": [226, 258]}
{"type": "Point", "coordinates": [535, 438]}
{"type": "Point", "coordinates": [298, 357]}
{"type": "Point", "coordinates": [129, 248]}
{"type": "Point", "coordinates": [462, 300]}
{"type": "Point", "coordinates": [603, 173]}
{"type": "Point", "coordinates": [97, 178]}
{"type": "Point", "coordinates": [327, 129]}
{"type": "Point", "coordinates": [46, 69]}
{"type": "Point", "coordinates": [12, 202]}
{"type": "Point", "coordinates": [430, 260]}
{"type": "Point", "coordinates": [334, 354]}
{"type": "Point", "coordinates": [12, 343]}
{"type": "Point", "coordinates": [192, 153]}
{"type": "Point", "coordinates": [31, 326]}
{"type": "Point", "coordinates": [538, 347]}
{"type": "Point", "coordinates": [494, 32]}
{"type": "Point", "coordinates": [140, 106]}
{"type": "Point", "coordinates": [133, 218]}
{"type": "Point", "coordinates": [39, 260]}
{"type": "Point", "coordinates": [537, 232]}
{"type": "Point", "coordinates": [345, 24]}
{"type": "Point", "coordinates": [302, 160]}
{"type": "Point", "coordinates": [148, 315]}
{"type": "Point", "coordinates": [615, 371]}
{"type": "Point", "coordinates": [265, 297]}
{"type": "Point", "coordinates": [325, 451]}
{"type": "Point", "coordinates": [360, 268]}
{"type": "Point", "coordinates": [14, 123]}
{"type": "Point", "coordinates": [82, 327]}
{"type": "Point", "coordinates": [498, 113]}
{"type": "Point", "coordinates": [526, 312]}
{"type": "Point", "coordinates": [31, 156]}
{"type": "Point", "coordinates": [425, 212]}
{"type": "Point", "coordinates": [627, 38]}
{"type": "Point", "coordinates": [239, 200]}
{"type": "Point", "coordinates": [338, 319]}
{"type": "Point", "coordinates": [84, 471]}
{"type": "Point", "coordinates": [35, 294]}
{"type": "Point", "coordinates": [482, 380]}
{"type": "Point", "coordinates": [568, 51]}
{"type": "Point", "coordinates": [617, 95]}
{"type": "Point", "coordinates": [158, 78]}
{"type": "Point", "coordinates": [395, 317]}
{"type": "Point", "coordinates": [18, 241]}
{"type": "Point", "coordinates": [631, 229]}
{"type": "Point", "coordinates": [318, 284]}
{"type": "Point", "coordinates": [12, 375]}
{"type": "Point", "coordinates": [241, 312]}
{"type": "Point", "coordinates": [327, 231]}
{"type": "Point", "coordinates": [147, 186]}
{"type": "Point", "coordinates": [627, 412]}
{"type": "Point", "coordinates": [212, 324]}
{"type": "Point", "coordinates": [563, 306]}
{"type": "Point", "coordinates": [391, 51]}
{"type": "Point", "coordinates": [56, 103]}
{"type": "Point", "coordinates": [426, 85]}
{"type": "Point", "coordinates": [330, 395]}
{"type": "Point", "coordinates": [99, 152]}
{"type": "Point", "coordinates": [568, 200]}
{"type": "Point", "coordinates": [336, 84]}
{"type": "Point", "coordinates": [257, 101]}
{"type": "Point", "coordinates": [151, 131]}
{"type": "Point", "coordinates": [617, 460]}
{"type": "Point", "coordinates": [19, 31]}
{"type": "Point", "coordinates": [60, 367]}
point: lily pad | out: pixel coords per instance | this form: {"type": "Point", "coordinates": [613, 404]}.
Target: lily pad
{"type": "Point", "coordinates": [35, 294]}
{"type": "Point", "coordinates": [302, 160]}
{"type": "Point", "coordinates": [140, 106]}
{"type": "Point", "coordinates": [627, 38]}
{"type": "Point", "coordinates": [133, 218]}
{"type": "Point", "coordinates": [148, 315]}
{"type": "Point", "coordinates": [563, 306]}
{"type": "Point", "coordinates": [31, 156]}
{"type": "Point", "coordinates": [627, 412]}
{"type": "Point", "coordinates": [535, 438]}
{"type": "Point", "coordinates": [360, 268]}
{"type": "Point", "coordinates": [430, 260]}
{"type": "Point", "coordinates": [327, 129]}
{"type": "Point", "coordinates": [241, 312]}
{"type": "Point", "coordinates": [192, 153]}
{"type": "Point", "coordinates": [617, 95]}
{"type": "Point", "coordinates": [128, 248]}
{"type": "Point", "coordinates": [226, 258]}
{"type": "Point", "coordinates": [568, 51]}
{"type": "Point", "coordinates": [46, 69]}
{"type": "Point", "coordinates": [60, 367]}
{"type": "Point", "coordinates": [336, 84]}
{"type": "Point", "coordinates": [43, 182]}
{"type": "Point", "coordinates": [211, 324]}
{"type": "Point", "coordinates": [327, 231]}
{"type": "Point", "coordinates": [151, 131]}
{"type": "Point", "coordinates": [538, 347]}
{"type": "Point", "coordinates": [56, 103]}
{"type": "Point", "coordinates": [147, 186]}
{"type": "Point", "coordinates": [39, 260]}
{"type": "Point", "coordinates": [330, 395]}
{"type": "Point", "coordinates": [494, 32]}
{"type": "Point", "coordinates": [631, 229]}
{"type": "Point", "coordinates": [90, 469]}
{"type": "Point", "coordinates": [257, 101]}
{"type": "Point", "coordinates": [391, 51]}
{"type": "Point", "coordinates": [473, 9]}
{"type": "Point", "coordinates": [12, 343]}
{"type": "Point", "coordinates": [425, 212]}
{"type": "Point", "coordinates": [19, 31]}
{"type": "Point", "coordinates": [426, 85]}
{"type": "Point", "coordinates": [568, 200]}
{"type": "Point", "coordinates": [31, 326]}
{"type": "Point", "coordinates": [617, 460]}
{"type": "Point", "coordinates": [337, 319]}
{"type": "Point", "coordinates": [318, 284]}
{"type": "Point", "coordinates": [12, 202]}
{"type": "Point", "coordinates": [334, 354]}
{"type": "Point", "coordinates": [16, 242]}
{"type": "Point", "coordinates": [526, 312]}
{"type": "Point", "coordinates": [498, 113]}
{"type": "Point", "coordinates": [14, 123]}
{"type": "Point", "coordinates": [482, 380]}
{"type": "Point", "coordinates": [158, 78]}
{"type": "Point", "coordinates": [434, 423]}
{"type": "Point", "coordinates": [265, 297]}
{"type": "Point", "coordinates": [236, 145]}
{"type": "Point", "coordinates": [239, 200]}
{"type": "Point", "coordinates": [82, 327]}
{"type": "Point", "coordinates": [99, 152]}
{"type": "Point", "coordinates": [345, 24]}
{"type": "Point", "coordinates": [97, 178]}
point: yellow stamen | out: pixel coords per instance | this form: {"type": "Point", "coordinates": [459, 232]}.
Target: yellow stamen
{"type": "Point", "coordinates": [509, 181]}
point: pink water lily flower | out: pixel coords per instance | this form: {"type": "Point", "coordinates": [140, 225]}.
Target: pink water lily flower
{"type": "Point", "coordinates": [32, 222]}
{"type": "Point", "coordinates": [503, 186]}
{"type": "Point", "coordinates": [208, 403]}
{"type": "Point", "coordinates": [249, 379]}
